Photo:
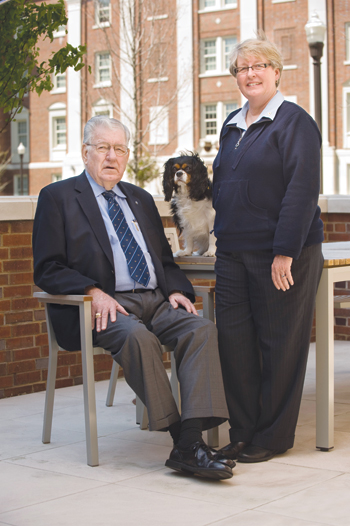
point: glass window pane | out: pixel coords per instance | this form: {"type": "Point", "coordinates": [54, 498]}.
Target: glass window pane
{"type": "Point", "coordinates": [22, 133]}
{"type": "Point", "coordinates": [229, 44]}
{"type": "Point", "coordinates": [210, 119]}
{"type": "Point", "coordinates": [209, 3]}
{"type": "Point", "coordinates": [60, 131]}
{"type": "Point", "coordinates": [347, 40]}
{"type": "Point", "coordinates": [209, 55]}
{"type": "Point", "coordinates": [61, 81]}
{"type": "Point", "coordinates": [104, 67]}
{"type": "Point", "coordinates": [348, 113]}
{"type": "Point", "coordinates": [103, 10]}
{"type": "Point", "coordinates": [229, 107]}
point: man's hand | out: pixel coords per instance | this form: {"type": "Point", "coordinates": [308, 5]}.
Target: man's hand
{"type": "Point", "coordinates": [281, 272]}
{"type": "Point", "coordinates": [177, 299]}
{"type": "Point", "coordinates": [104, 305]}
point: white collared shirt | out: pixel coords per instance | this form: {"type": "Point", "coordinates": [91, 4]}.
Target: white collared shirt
{"type": "Point", "coordinates": [268, 112]}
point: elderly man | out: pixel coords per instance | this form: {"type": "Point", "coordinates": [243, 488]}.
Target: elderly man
{"type": "Point", "coordinates": [94, 234]}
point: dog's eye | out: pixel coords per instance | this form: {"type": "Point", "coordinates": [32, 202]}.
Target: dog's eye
{"type": "Point", "coordinates": [176, 167]}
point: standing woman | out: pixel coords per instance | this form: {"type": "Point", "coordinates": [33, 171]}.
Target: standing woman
{"type": "Point", "coordinates": [269, 259]}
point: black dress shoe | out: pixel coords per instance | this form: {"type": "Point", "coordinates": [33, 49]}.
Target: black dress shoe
{"type": "Point", "coordinates": [221, 458]}
{"type": "Point", "coordinates": [258, 454]}
{"type": "Point", "coordinates": [231, 450]}
{"type": "Point", "coordinates": [198, 460]}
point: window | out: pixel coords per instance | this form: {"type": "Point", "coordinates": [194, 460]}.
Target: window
{"type": "Point", "coordinates": [229, 107]}
{"type": "Point", "coordinates": [210, 55]}
{"type": "Point", "coordinates": [228, 47]}
{"type": "Point", "coordinates": [60, 32]}
{"type": "Point", "coordinates": [158, 125]}
{"type": "Point", "coordinates": [102, 13]}
{"type": "Point", "coordinates": [17, 185]}
{"type": "Point", "coordinates": [22, 133]}
{"type": "Point", "coordinates": [212, 5]}
{"type": "Point", "coordinates": [213, 115]}
{"type": "Point", "coordinates": [102, 107]}
{"type": "Point", "coordinates": [59, 83]}
{"type": "Point", "coordinates": [59, 132]}
{"type": "Point", "coordinates": [210, 119]}
{"type": "Point", "coordinates": [56, 177]}
{"type": "Point", "coordinates": [347, 42]}
{"type": "Point", "coordinates": [103, 69]}
{"type": "Point", "coordinates": [215, 55]}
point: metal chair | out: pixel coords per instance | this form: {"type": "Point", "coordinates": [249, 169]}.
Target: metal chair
{"type": "Point", "coordinates": [88, 351]}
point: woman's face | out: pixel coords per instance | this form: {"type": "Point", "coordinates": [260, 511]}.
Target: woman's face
{"type": "Point", "coordinates": [257, 86]}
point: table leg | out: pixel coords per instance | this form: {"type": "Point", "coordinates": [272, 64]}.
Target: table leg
{"type": "Point", "coordinates": [325, 363]}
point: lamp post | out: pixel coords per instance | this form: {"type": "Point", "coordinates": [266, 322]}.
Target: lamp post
{"type": "Point", "coordinates": [315, 34]}
{"type": "Point", "coordinates": [21, 150]}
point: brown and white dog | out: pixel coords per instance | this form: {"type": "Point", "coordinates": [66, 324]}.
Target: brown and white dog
{"type": "Point", "coordinates": [187, 185]}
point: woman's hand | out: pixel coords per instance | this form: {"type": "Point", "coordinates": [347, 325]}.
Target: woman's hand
{"type": "Point", "coordinates": [281, 272]}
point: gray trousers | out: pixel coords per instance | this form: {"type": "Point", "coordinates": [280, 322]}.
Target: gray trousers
{"type": "Point", "coordinates": [264, 338]}
{"type": "Point", "coordinates": [135, 342]}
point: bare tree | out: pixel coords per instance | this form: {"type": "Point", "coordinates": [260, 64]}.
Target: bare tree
{"type": "Point", "coordinates": [143, 92]}
{"type": "Point", "coordinates": [5, 160]}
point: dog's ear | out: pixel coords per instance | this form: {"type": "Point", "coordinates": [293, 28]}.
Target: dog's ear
{"type": "Point", "coordinates": [168, 179]}
{"type": "Point", "coordinates": [199, 178]}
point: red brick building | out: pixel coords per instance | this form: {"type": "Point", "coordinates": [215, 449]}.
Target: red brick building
{"type": "Point", "coordinates": [176, 85]}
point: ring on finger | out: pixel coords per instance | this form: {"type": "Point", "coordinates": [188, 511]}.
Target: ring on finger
{"type": "Point", "coordinates": [283, 275]}
{"type": "Point", "coordinates": [98, 315]}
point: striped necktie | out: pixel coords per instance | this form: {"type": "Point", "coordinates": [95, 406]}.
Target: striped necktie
{"type": "Point", "coordinates": [135, 258]}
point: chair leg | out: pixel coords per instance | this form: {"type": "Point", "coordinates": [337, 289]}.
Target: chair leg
{"type": "Point", "coordinates": [141, 414]}
{"type": "Point", "coordinates": [51, 381]}
{"type": "Point", "coordinates": [174, 382]}
{"type": "Point", "coordinates": [112, 384]}
{"type": "Point", "coordinates": [88, 384]}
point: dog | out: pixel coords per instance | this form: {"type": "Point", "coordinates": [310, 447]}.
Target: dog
{"type": "Point", "coordinates": [187, 185]}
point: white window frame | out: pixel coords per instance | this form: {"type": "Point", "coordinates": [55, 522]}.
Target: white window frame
{"type": "Point", "coordinates": [61, 32]}
{"type": "Point", "coordinates": [218, 5]}
{"type": "Point", "coordinates": [220, 117]}
{"type": "Point", "coordinates": [21, 117]}
{"type": "Point", "coordinates": [102, 107]}
{"type": "Point", "coordinates": [98, 9]}
{"type": "Point", "coordinates": [220, 57]}
{"type": "Point", "coordinates": [56, 111]}
{"type": "Point", "coordinates": [158, 126]}
{"type": "Point", "coordinates": [17, 184]}
{"type": "Point", "coordinates": [61, 89]}
{"type": "Point", "coordinates": [347, 43]}
{"type": "Point", "coordinates": [102, 83]}
{"type": "Point", "coordinates": [56, 177]}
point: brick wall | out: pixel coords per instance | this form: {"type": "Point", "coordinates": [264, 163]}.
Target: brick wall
{"type": "Point", "coordinates": [23, 337]}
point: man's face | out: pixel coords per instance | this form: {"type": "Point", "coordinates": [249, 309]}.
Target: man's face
{"type": "Point", "coordinates": [106, 169]}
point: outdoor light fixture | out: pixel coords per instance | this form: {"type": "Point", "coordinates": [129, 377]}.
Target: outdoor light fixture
{"type": "Point", "coordinates": [315, 33]}
{"type": "Point", "coordinates": [21, 150]}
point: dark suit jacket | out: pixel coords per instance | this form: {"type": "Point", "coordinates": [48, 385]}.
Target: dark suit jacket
{"type": "Point", "coordinates": [72, 250]}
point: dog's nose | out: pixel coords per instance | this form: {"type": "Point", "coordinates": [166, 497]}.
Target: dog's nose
{"type": "Point", "coordinates": [179, 173]}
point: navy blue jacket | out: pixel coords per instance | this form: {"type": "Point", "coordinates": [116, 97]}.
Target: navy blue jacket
{"type": "Point", "coordinates": [265, 191]}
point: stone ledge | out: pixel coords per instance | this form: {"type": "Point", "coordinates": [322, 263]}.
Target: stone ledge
{"type": "Point", "coordinates": [18, 208]}
{"type": "Point", "coordinates": [22, 208]}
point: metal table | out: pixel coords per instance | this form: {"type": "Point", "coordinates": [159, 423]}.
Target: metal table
{"type": "Point", "coordinates": [336, 268]}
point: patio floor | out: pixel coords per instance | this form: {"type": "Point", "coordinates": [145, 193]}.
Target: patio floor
{"type": "Point", "coordinates": [51, 485]}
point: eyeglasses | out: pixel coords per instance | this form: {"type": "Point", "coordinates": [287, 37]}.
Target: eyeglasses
{"type": "Point", "coordinates": [103, 148]}
{"type": "Point", "coordinates": [256, 67]}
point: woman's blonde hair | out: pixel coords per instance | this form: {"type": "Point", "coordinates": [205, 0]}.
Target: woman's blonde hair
{"type": "Point", "coordinates": [257, 47]}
